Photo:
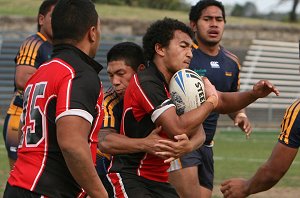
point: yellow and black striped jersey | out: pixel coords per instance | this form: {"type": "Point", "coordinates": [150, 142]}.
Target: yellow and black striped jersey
{"type": "Point", "coordinates": [34, 51]}
{"type": "Point", "coordinates": [290, 126]}
{"type": "Point", "coordinates": [113, 109]}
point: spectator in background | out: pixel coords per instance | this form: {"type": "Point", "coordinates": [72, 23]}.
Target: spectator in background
{"type": "Point", "coordinates": [196, 169]}
{"type": "Point", "coordinates": [63, 112]}
{"type": "Point", "coordinates": [34, 51]}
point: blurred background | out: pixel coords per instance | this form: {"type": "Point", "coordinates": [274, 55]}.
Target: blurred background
{"type": "Point", "coordinates": [263, 34]}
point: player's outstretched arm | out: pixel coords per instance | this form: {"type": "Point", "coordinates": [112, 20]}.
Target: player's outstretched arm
{"type": "Point", "coordinates": [233, 101]}
{"type": "Point", "coordinates": [72, 137]}
{"type": "Point", "coordinates": [265, 177]}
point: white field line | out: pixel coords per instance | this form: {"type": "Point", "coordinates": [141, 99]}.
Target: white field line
{"type": "Point", "coordinates": [219, 158]}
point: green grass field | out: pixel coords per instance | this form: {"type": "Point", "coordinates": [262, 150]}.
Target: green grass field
{"type": "Point", "coordinates": [234, 155]}
{"type": "Point", "coordinates": [4, 167]}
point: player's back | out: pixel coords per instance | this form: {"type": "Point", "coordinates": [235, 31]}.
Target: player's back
{"type": "Point", "coordinates": [40, 162]}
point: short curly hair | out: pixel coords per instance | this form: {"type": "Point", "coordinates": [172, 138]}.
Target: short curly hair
{"type": "Point", "coordinates": [196, 10]}
{"type": "Point", "coordinates": [162, 32]}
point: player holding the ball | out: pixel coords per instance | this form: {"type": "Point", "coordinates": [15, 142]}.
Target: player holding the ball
{"type": "Point", "coordinates": [167, 45]}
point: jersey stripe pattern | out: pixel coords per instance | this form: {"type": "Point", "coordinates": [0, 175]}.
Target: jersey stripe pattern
{"type": "Point", "coordinates": [66, 85]}
{"type": "Point", "coordinates": [113, 108]}
{"type": "Point", "coordinates": [290, 126]}
{"type": "Point", "coordinates": [144, 96]}
{"type": "Point", "coordinates": [34, 51]}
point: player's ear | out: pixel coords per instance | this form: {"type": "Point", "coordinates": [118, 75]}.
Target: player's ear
{"type": "Point", "coordinates": [141, 67]}
{"type": "Point", "coordinates": [159, 49]}
{"type": "Point", "coordinates": [92, 34]}
{"type": "Point", "coordinates": [193, 26]}
{"type": "Point", "coordinates": [41, 19]}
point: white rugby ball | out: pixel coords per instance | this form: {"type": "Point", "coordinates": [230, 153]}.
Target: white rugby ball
{"type": "Point", "coordinates": [187, 90]}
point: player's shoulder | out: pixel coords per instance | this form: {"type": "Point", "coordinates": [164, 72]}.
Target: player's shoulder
{"type": "Point", "coordinates": [229, 54]}
{"type": "Point", "coordinates": [293, 109]}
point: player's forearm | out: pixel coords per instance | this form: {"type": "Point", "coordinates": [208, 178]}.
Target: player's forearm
{"type": "Point", "coordinates": [264, 179]}
{"type": "Point", "coordinates": [191, 120]}
{"type": "Point", "coordinates": [234, 101]}
{"type": "Point", "coordinates": [113, 143]}
{"type": "Point", "coordinates": [80, 164]}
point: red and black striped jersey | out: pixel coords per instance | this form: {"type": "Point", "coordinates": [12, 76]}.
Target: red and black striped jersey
{"type": "Point", "coordinates": [290, 126]}
{"type": "Point", "coordinates": [146, 97]}
{"type": "Point", "coordinates": [66, 85]}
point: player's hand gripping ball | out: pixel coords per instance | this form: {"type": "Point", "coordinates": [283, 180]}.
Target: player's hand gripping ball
{"type": "Point", "coordinates": [187, 90]}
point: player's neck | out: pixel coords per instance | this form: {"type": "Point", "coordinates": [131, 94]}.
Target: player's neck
{"type": "Point", "coordinates": [209, 49]}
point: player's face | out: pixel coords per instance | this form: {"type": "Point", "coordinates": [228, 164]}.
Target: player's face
{"type": "Point", "coordinates": [210, 26]}
{"type": "Point", "coordinates": [45, 22]}
{"type": "Point", "coordinates": [119, 75]}
{"type": "Point", "coordinates": [178, 54]}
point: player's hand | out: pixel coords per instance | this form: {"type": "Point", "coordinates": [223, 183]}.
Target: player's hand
{"type": "Point", "coordinates": [171, 150]}
{"type": "Point", "coordinates": [151, 140]}
{"type": "Point", "coordinates": [263, 88]}
{"type": "Point", "coordinates": [234, 188]}
{"type": "Point", "coordinates": [242, 121]}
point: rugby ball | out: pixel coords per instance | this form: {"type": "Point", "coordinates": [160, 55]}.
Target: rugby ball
{"type": "Point", "coordinates": [187, 90]}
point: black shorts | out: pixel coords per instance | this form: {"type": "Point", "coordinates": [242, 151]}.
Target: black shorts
{"type": "Point", "coordinates": [203, 159]}
{"type": "Point", "coordinates": [17, 192]}
{"type": "Point", "coordinates": [133, 186]}
{"type": "Point", "coordinates": [102, 163]}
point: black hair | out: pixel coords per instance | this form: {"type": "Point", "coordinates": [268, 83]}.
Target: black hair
{"type": "Point", "coordinates": [131, 53]}
{"type": "Point", "coordinates": [196, 10]}
{"type": "Point", "coordinates": [44, 9]}
{"type": "Point", "coordinates": [162, 32]}
{"type": "Point", "coordinates": [71, 19]}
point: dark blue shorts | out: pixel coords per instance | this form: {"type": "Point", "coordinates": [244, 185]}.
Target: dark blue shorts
{"type": "Point", "coordinates": [203, 159]}
{"type": "Point", "coordinates": [10, 135]}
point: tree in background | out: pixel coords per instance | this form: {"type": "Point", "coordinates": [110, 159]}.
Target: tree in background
{"type": "Point", "coordinates": [248, 10]}
{"type": "Point", "coordinates": [292, 14]}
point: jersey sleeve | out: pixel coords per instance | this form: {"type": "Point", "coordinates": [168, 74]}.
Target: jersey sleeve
{"type": "Point", "coordinates": [156, 100]}
{"type": "Point", "coordinates": [29, 52]}
{"type": "Point", "coordinates": [77, 95]}
{"type": "Point", "coordinates": [290, 126]}
{"type": "Point", "coordinates": [112, 112]}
